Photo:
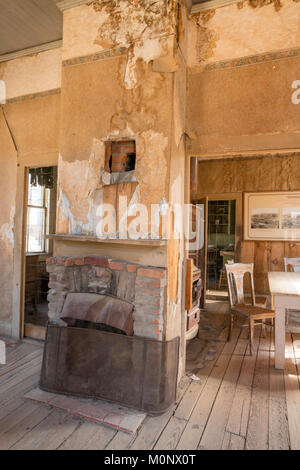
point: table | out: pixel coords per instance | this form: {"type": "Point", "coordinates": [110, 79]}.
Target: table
{"type": "Point", "coordinates": [285, 289]}
{"type": "Point", "coordinates": [226, 255]}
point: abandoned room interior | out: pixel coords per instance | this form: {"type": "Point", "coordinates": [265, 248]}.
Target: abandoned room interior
{"type": "Point", "coordinates": [149, 225]}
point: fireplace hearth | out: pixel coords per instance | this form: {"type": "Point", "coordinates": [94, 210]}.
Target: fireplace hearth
{"type": "Point", "coordinates": [105, 336]}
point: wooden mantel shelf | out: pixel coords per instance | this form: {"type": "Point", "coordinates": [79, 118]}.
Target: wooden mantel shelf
{"type": "Point", "coordinates": [118, 241]}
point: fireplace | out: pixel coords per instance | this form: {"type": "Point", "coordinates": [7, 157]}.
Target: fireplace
{"type": "Point", "coordinates": [143, 286]}
{"type": "Point", "coordinates": [105, 337]}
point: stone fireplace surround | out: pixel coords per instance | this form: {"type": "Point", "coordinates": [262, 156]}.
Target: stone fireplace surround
{"type": "Point", "coordinates": [144, 286]}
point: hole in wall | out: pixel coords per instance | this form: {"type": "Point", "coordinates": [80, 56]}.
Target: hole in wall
{"type": "Point", "coordinates": [120, 161]}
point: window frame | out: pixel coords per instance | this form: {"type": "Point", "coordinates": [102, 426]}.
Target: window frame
{"type": "Point", "coordinates": [46, 211]}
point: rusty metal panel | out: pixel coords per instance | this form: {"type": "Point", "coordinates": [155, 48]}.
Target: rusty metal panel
{"type": "Point", "coordinates": [96, 311]}
{"type": "Point", "coordinates": [135, 372]}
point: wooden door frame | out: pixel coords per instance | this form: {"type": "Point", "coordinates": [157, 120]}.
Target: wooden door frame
{"type": "Point", "coordinates": [24, 163]}
{"type": "Point", "coordinates": [238, 198]}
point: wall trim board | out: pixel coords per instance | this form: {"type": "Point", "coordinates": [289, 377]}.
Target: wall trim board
{"type": "Point", "coordinates": [250, 60]}
{"type": "Point", "coordinates": [198, 7]}
{"type": "Point", "coordinates": [32, 50]}
{"type": "Point", "coordinates": [67, 4]}
{"type": "Point", "coordinates": [243, 155]}
{"type": "Point", "coordinates": [33, 96]}
{"type": "Point", "coordinates": [88, 59]}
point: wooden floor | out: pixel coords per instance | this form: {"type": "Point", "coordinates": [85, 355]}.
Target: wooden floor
{"type": "Point", "coordinates": [238, 402]}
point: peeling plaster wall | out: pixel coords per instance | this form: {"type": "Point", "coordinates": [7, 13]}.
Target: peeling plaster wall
{"type": "Point", "coordinates": [247, 108]}
{"type": "Point", "coordinates": [114, 98]}
{"type": "Point", "coordinates": [29, 132]}
{"type": "Point", "coordinates": [244, 108]}
{"type": "Point", "coordinates": [240, 30]}
{"type": "Point", "coordinates": [32, 74]}
{"type": "Point", "coordinates": [120, 96]}
{"type": "Point", "coordinates": [8, 177]}
{"type": "Point", "coordinates": [176, 320]}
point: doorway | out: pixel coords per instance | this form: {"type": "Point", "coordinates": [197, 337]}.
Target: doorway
{"type": "Point", "coordinates": [221, 222]}
{"type": "Point", "coordinates": [40, 215]}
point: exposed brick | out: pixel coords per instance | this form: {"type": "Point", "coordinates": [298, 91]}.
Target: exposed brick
{"type": "Point", "coordinates": [148, 318]}
{"type": "Point", "coordinates": [116, 147]}
{"type": "Point", "coordinates": [151, 272]}
{"type": "Point", "coordinates": [148, 331]}
{"type": "Point", "coordinates": [69, 263]}
{"type": "Point", "coordinates": [102, 272]}
{"type": "Point", "coordinates": [50, 261]}
{"type": "Point", "coordinates": [116, 266]}
{"type": "Point", "coordinates": [60, 261]}
{"type": "Point", "coordinates": [151, 292]}
{"type": "Point", "coordinates": [144, 311]}
{"type": "Point", "coordinates": [142, 299]}
{"type": "Point", "coordinates": [96, 261]}
{"type": "Point", "coordinates": [117, 167]}
{"type": "Point", "coordinates": [51, 268]}
{"type": "Point", "coordinates": [140, 282]}
{"type": "Point", "coordinates": [79, 261]}
{"type": "Point", "coordinates": [131, 268]}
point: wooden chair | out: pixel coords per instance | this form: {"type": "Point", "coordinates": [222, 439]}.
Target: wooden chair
{"type": "Point", "coordinates": [290, 264]}
{"type": "Point", "coordinates": [252, 312]}
{"type": "Point", "coordinates": [212, 259]}
{"type": "Point", "coordinates": [293, 263]}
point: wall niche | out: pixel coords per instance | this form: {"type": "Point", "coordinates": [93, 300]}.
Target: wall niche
{"type": "Point", "coordinates": [120, 161]}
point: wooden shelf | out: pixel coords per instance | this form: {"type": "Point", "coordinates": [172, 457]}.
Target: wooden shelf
{"type": "Point", "coordinates": [118, 241]}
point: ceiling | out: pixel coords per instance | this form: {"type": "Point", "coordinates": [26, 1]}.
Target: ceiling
{"type": "Point", "coordinates": [28, 23]}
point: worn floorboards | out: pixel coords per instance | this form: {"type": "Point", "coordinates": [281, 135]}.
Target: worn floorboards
{"type": "Point", "coordinates": [230, 400]}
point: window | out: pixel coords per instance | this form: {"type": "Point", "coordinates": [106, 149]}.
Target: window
{"type": "Point", "coordinates": [37, 216]}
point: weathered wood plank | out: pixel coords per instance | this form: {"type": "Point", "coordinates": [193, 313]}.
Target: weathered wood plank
{"type": "Point", "coordinates": [258, 427]}
{"type": "Point", "coordinates": [19, 391]}
{"type": "Point", "coordinates": [239, 413]}
{"type": "Point", "coordinates": [18, 379]}
{"type": "Point", "coordinates": [16, 416]}
{"type": "Point", "coordinates": [292, 394]}
{"type": "Point", "coordinates": [50, 433]}
{"type": "Point", "coordinates": [15, 434]}
{"type": "Point", "coordinates": [101, 438]}
{"type": "Point", "coordinates": [194, 429]}
{"type": "Point", "coordinates": [122, 440]}
{"type": "Point", "coordinates": [278, 423]}
{"type": "Point", "coordinates": [16, 365]}
{"type": "Point", "coordinates": [154, 425]}
{"type": "Point", "coordinates": [151, 431]}
{"type": "Point", "coordinates": [80, 437]}
{"type": "Point", "coordinates": [171, 434]}
{"type": "Point", "coordinates": [233, 442]}
{"type": "Point", "coordinates": [215, 429]}
{"type": "Point", "coordinates": [194, 390]}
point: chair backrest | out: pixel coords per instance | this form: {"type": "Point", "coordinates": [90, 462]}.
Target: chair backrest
{"type": "Point", "coordinates": [294, 264]}
{"type": "Point", "coordinates": [235, 280]}
{"type": "Point", "coordinates": [212, 254]}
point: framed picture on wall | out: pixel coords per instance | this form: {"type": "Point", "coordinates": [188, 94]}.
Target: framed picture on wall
{"type": "Point", "coordinates": [272, 216]}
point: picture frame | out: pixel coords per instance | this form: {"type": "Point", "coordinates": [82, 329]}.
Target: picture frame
{"type": "Point", "coordinates": [273, 215]}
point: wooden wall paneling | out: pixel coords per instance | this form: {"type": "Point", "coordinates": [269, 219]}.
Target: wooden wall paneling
{"type": "Point", "coordinates": [277, 250]}
{"type": "Point", "coordinates": [291, 249]}
{"type": "Point", "coordinates": [261, 266]}
{"type": "Point", "coordinates": [189, 284]}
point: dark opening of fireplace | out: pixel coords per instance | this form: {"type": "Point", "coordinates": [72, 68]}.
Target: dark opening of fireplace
{"type": "Point", "coordinates": [120, 156]}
